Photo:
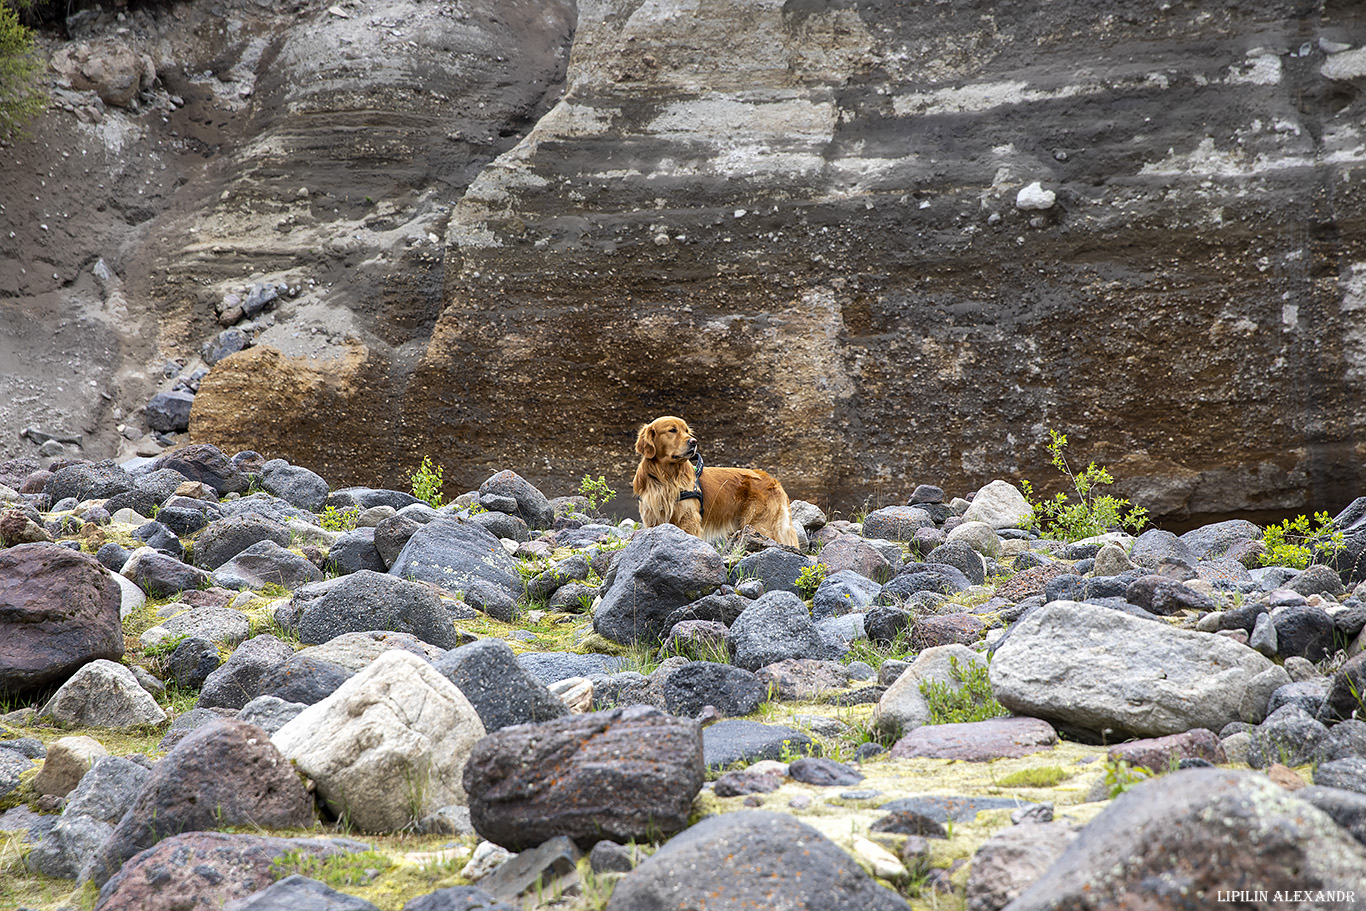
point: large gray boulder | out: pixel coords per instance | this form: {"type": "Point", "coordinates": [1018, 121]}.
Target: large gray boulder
{"type": "Point", "coordinates": [1156, 545]}
{"type": "Point", "coordinates": [1184, 834]}
{"type": "Point", "coordinates": [460, 557]}
{"type": "Point", "coordinates": [778, 569]}
{"type": "Point", "coordinates": [896, 523]}
{"type": "Point", "coordinates": [775, 627]}
{"type": "Point", "coordinates": [103, 694]}
{"type": "Point", "coordinates": [1088, 668]}
{"type": "Point", "coordinates": [1211, 542]}
{"type": "Point", "coordinates": [225, 538]}
{"type": "Point", "coordinates": [533, 507]}
{"type": "Point", "coordinates": [108, 790]}
{"type": "Point", "coordinates": [731, 690]}
{"type": "Point", "coordinates": [844, 592]}
{"type": "Point", "coordinates": [88, 481]}
{"type": "Point", "coordinates": [389, 747]}
{"type": "Point", "coordinates": [501, 690]}
{"type": "Point", "coordinates": [266, 564]}
{"type": "Point", "coordinates": [751, 859]}
{"type": "Point", "coordinates": [68, 846]}
{"type": "Point", "coordinates": [205, 463]}
{"type": "Point", "coordinates": [661, 570]}
{"type": "Point", "coordinates": [999, 504]}
{"type": "Point", "coordinates": [364, 601]}
{"type": "Point", "coordinates": [295, 484]}
{"type": "Point", "coordinates": [237, 681]}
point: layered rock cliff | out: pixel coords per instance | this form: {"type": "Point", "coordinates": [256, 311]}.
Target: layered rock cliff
{"type": "Point", "coordinates": [808, 227]}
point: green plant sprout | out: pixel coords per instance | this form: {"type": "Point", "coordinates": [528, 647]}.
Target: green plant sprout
{"type": "Point", "coordinates": [334, 519]}
{"type": "Point", "coordinates": [1091, 514]}
{"type": "Point", "coordinates": [1120, 776]}
{"type": "Point", "coordinates": [973, 701]}
{"type": "Point", "coordinates": [597, 493]}
{"type": "Point", "coordinates": [1294, 542]}
{"type": "Point", "coordinates": [810, 579]}
{"type": "Point", "coordinates": [427, 482]}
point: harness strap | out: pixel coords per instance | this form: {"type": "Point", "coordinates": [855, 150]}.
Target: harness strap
{"type": "Point", "coordinates": [696, 494]}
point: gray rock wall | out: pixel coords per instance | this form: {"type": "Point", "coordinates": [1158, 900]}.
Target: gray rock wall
{"type": "Point", "coordinates": [799, 226]}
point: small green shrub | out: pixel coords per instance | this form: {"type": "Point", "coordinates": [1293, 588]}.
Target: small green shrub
{"type": "Point", "coordinates": [973, 701]}
{"type": "Point", "coordinates": [334, 519]}
{"type": "Point", "coordinates": [21, 67]}
{"type": "Point", "coordinates": [810, 579]}
{"type": "Point", "coordinates": [1294, 542]}
{"type": "Point", "coordinates": [1120, 776]}
{"type": "Point", "coordinates": [1091, 514]}
{"type": "Point", "coordinates": [427, 483]}
{"type": "Point", "coordinates": [597, 493]}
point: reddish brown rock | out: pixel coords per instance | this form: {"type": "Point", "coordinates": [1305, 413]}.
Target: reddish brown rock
{"type": "Point", "coordinates": [624, 774]}
{"type": "Point", "coordinates": [226, 773]}
{"type": "Point", "coordinates": [17, 528]}
{"type": "Point", "coordinates": [977, 741]}
{"type": "Point", "coordinates": [743, 781]}
{"type": "Point", "coordinates": [206, 870]}
{"type": "Point", "coordinates": [1160, 753]}
{"type": "Point", "coordinates": [1032, 581]}
{"type": "Point", "coordinates": [1286, 777]}
{"type": "Point", "coordinates": [59, 609]}
{"type": "Point", "coordinates": [947, 629]}
{"type": "Point", "coordinates": [803, 678]}
{"type": "Point", "coordinates": [852, 552]}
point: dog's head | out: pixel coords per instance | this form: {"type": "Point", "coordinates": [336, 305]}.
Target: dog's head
{"type": "Point", "coordinates": [667, 439]}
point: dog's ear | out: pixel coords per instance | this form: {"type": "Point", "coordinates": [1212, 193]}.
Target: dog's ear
{"type": "Point", "coordinates": [645, 442]}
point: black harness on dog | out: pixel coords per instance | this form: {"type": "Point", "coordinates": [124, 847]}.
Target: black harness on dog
{"type": "Point", "coordinates": [696, 493]}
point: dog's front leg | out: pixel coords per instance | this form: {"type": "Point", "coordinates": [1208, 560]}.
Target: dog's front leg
{"type": "Point", "coordinates": [688, 517]}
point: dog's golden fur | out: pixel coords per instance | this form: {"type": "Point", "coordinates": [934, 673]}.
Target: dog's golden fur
{"type": "Point", "coordinates": [731, 497]}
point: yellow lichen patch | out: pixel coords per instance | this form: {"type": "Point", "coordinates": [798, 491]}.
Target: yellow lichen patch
{"type": "Point", "coordinates": [21, 887]}
{"type": "Point", "coordinates": [119, 743]}
{"type": "Point", "coordinates": [553, 631]}
{"type": "Point", "coordinates": [395, 870]}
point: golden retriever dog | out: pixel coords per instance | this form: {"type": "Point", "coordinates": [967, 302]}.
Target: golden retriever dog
{"type": "Point", "coordinates": [704, 501]}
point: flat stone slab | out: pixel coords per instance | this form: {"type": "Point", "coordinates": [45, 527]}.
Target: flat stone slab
{"type": "Point", "coordinates": [977, 741]}
{"type": "Point", "coordinates": [959, 809]}
{"type": "Point", "coordinates": [736, 740]}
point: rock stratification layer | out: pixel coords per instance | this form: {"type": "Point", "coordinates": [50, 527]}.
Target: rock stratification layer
{"type": "Point", "coordinates": [848, 241]}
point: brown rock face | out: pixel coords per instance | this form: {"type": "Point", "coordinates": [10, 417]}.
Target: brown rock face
{"type": "Point", "coordinates": [623, 774]}
{"type": "Point", "coordinates": [59, 610]}
{"type": "Point", "coordinates": [798, 228]}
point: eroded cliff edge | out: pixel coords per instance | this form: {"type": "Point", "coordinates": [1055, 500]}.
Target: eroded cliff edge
{"type": "Point", "coordinates": [798, 225]}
